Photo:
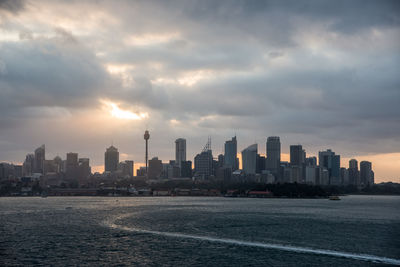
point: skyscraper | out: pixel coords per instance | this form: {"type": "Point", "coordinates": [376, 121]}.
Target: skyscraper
{"type": "Point", "coordinates": [296, 155]}
{"type": "Point", "coordinates": [129, 167]}
{"type": "Point", "coordinates": [155, 168]}
{"type": "Point", "coordinates": [72, 166]}
{"type": "Point", "coordinates": [186, 169]}
{"type": "Point", "coordinates": [180, 151]}
{"type": "Point", "coordinates": [297, 163]}
{"type": "Point", "coordinates": [111, 159]}
{"type": "Point", "coordinates": [260, 166]}
{"type": "Point", "coordinates": [354, 174]}
{"type": "Point", "coordinates": [203, 162]}
{"type": "Point", "coordinates": [249, 159]}
{"type": "Point", "coordinates": [39, 159]}
{"type": "Point", "coordinates": [230, 156]}
{"type": "Point", "coordinates": [273, 148]}
{"type": "Point", "coordinates": [366, 173]}
{"type": "Point", "coordinates": [28, 166]}
{"type": "Point", "coordinates": [353, 164]}
{"type": "Point", "coordinates": [84, 168]}
{"type": "Point", "coordinates": [330, 161]}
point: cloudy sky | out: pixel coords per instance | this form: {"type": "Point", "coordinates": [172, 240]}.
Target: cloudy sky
{"type": "Point", "coordinates": [80, 75]}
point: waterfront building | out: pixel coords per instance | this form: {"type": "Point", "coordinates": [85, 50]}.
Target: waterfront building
{"type": "Point", "coordinates": [273, 149]}
{"type": "Point", "coordinates": [329, 160]}
{"type": "Point", "coordinates": [311, 161]}
{"type": "Point", "coordinates": [28, 165]}
{"type": "Point", "coordinates": [84, 168]}
{"type": "Point", "coordinates": [230, 156]}
{"type": "Point", "coordinates": [39, 159]}
{"type": "Point", "coordinates": [249, 159]}
{"type": "Point", "coordinates": [204, 163]}
{"type": "Point", "coordinates": [111, 159]}
{"type": "Point", "coordinates": [72, 166]}
{"type": "Point", "coordinates": [221, 161]}
{"type": "Point", "coordinates": [260, 164]}
{"type": "Point", "coordinates": [180, 151]}
{"type": "Point", "coordinates": [296, 155]}
{"type": "Point", "coordinates": [186, 169]}
{"type": "Point", "coordinates": [344, 175]}
{"type": "Point", "coordinates": [129, 167]}
{"type": "Point", "coordinates": [155, 168]}
{"type": "Point", "coordinates": [297, 162]}
{"type": "Point", "coordinates": [49, 166]}
{"type": "Point", "coordinates": [366, 173]}
{"type": "Point", "coordinates": [354, 174]}
{"type": "Point", "coordinates": [310, 174]}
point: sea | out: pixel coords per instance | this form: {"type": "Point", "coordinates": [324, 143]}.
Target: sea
{"type": "Point", "coordinates": [199, 231]}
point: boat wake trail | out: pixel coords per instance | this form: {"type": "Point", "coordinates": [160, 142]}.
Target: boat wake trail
{"type": "Point", "coordinates": [324, 252]}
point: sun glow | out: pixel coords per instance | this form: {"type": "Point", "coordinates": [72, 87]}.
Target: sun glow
{"type": "Point", "coordinates": [119, 113]}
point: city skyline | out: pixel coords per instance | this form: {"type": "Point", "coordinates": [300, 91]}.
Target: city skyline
{"type": "Point", "coordinates": [343, 162]}
{"type": "Point", "coordinates": [199, 132]}
{"type": "Point", "coordinates": [84, 74]}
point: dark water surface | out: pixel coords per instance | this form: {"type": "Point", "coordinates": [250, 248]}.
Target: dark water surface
{"type": "Point", "coordinates": [196, 231]}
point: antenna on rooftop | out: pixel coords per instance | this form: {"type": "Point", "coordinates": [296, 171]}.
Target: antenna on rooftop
{"type": "Point", "coordinates": [207, 147]}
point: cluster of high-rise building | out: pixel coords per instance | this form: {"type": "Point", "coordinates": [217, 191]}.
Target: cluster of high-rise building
{"type": "Point", "coordinates": [76, 171]}
{"type": "Point", "coordinates": [300, 169]}
{"type": "Point", "coordinates": [255, 167]}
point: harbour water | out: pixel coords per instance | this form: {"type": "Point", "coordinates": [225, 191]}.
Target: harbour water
{"type": "Point", "coordinates": [197, 231]}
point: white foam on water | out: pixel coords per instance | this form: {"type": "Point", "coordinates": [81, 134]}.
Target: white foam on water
{"type": "Point", "coordinates": [362, 257]}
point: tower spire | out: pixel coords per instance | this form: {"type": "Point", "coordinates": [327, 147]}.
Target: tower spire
{"type": "Point", "coordinates": [146, 138]}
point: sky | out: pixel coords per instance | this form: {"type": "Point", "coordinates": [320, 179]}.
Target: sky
{"type": "Point", "coordinates": [79, 76]}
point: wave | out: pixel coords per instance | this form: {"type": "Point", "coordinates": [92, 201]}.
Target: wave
{"type": "Point", "coordinates": [295, 249]}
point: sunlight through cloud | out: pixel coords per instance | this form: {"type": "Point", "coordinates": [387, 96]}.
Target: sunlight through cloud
{"type": "Point", "coordinates": [119, 113]}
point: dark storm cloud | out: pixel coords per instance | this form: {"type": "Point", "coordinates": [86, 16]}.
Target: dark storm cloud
{"type": "Point", "coordinates": [13, 6]}
{"type": "Point", "coordinates": [318, 72]}
{"type": "Point", "coordinates": [49, 72]}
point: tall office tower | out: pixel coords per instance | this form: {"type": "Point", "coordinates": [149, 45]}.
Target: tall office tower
{"type": "Point", "coordinates": [354, 174]}
{"type": "Point", "coordinates": [28, 166]}
{"type": "Point", "coordinates": [146, 138]}
{"type": "Point", "coordinates": [221, 161]}
{"type": "Point", "coordinates": [296, 155]}
{"type": "Point", "coordinates": [84, 168]}
{"type": "Point", "coordinates": [330, 161]}
{"type": "Point", "coordinates": [111, 159]}
{"type": "Point", "coordinates": [58, 163]}
{"type": "Point", "coordinates": [72, 166]}
{"type": "Point", "coordinates": [230, 155]}
{"type": "Point", "coordinates": [260, 166]}
{"type": "Point", "coordinates": [311, 161]}
{"type": "Point", "coordinates": [39, 159]}
{"type": "Point", "coordinates": [249, 159]}
{"type": "Point", "coordinates": [155, 168]}
{"type": "Point", "coordinates": [186, 169]}
{"type": "Point", "coordinates": [344, 175]}
{"type": "Point", "coordinates": [353, 164]}
{"type": "Point", "coordinates": [273, 154]}
{"type": "Point", "coordinates": [180, 151]}
{"type": "Point", "coordinates": [304, 156]}
{"type": "Point", "coordinates": [49, 166]}
{"type": "Point", "coordinates": [203, 162]}
{"type": "Point", "coordinates": [366, 174]}
{"type": "Point", "coordinates": [297, 163]}
{"type": "Point", "coordinates": [129, 167]}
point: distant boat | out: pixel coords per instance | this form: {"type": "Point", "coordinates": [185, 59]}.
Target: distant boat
{"type": "Point", "coordinates": [334, 198]}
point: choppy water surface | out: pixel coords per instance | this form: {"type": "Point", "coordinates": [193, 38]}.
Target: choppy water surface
{"type": "Point", "coordinates": [167, 231]}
